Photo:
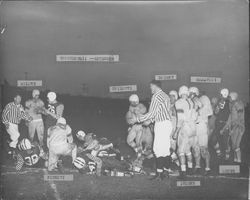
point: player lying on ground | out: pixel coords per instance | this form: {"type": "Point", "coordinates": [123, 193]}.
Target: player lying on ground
{"type": "Point", "coordinates": [89, 149]}
{"type": "Point", "coordinates": [28, 154]}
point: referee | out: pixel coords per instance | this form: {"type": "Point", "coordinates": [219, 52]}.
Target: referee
{"type": "Point", "coordinates": [159, 112]}
{"type": "Point", "coordinates": [11, 117]}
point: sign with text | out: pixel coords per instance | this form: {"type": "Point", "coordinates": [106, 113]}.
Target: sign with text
{"type": "Point", "coordinates": [29, 83]}
{"type": "Point", "coordinates": [58, 177]}
{"type": "Point", "coordinates": [204, 79]}
{"type": "Point", "coordinates": [165, 77]}
{"type": "Point", "coordinates": [123, 88]}
{"type": "Point", "coordinates": [229, 169]}
{"type": "Point", "coordinates": [188, 183]}
{"type": "Point", "coordinates": [87, 58]}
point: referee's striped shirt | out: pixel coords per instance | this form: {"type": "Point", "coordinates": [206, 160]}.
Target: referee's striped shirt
{"type": "Point", "coordinates": [159, 109]}
{"type": "Point", "coordinates": [13, 113]}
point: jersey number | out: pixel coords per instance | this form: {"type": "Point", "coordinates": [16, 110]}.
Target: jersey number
{"type": "Point", "coordinates": [31, 160]}
{"type": "Point", "coordinates": [51, 109]}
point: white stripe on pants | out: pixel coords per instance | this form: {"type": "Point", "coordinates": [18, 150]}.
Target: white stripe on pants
{"type": "Point", "coordinates": [162, 132]}
{"type": "Point", "coordinates": [14, 134]}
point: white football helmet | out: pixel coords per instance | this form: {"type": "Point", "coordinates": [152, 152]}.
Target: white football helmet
{"type": "Point", "coordinates": [233, 96]}
{"type": "Point", "coordinates": [92, 166]}
{"type": "Point", "coordinates": [35, 93]}
{"type": "Point", "coordinates": [174, 93]}
{"type": "Point", "coordinates": [134, 98]}
{"type": "Point", "coordinates": [224, 92]}
{"type": "Point", "coordinates": [24, 144]}
{"type": "Point", "coordinates": [61, 120]}
{"type": "Point", "coordinates": [79, 163]}
{"type": "Point", "coordinates": [80, 135]}
{"type": "Point", "coordinates": [194, 90]}
{"type": "Point", "coordinates": [183, 90]}
{"type": "Point", "coordinates": [51, 96]}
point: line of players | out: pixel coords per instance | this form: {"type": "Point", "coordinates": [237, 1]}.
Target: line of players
{"type": "Point", "coordinates": [197, 122]}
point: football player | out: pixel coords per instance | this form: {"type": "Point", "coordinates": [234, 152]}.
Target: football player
{"type": "Point", "coordinates": [135, 131]}
{"type": "Point", "coordinates": [186, 131]}
{"type": "Point", "coordinates": [235, 125]}
{"type": "Point", "coordinates": [36, 125]}
{"type": "Point", "coordinates": [204, 111]}
{"type": "Point", "coordinates": [28, 154]}
{"type": "Point", "coordinates": [53, 112]}
{"type": "Point", "coordinates": [173, 98]}
{"type": "Point", "coordinates": [222, 111]}
{"type": "Point", "coordinates": [60, 143]}
{"type": "Point", "coordinates": [90, 148]}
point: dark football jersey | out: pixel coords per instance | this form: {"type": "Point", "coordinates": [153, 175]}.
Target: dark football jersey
{"type": "Point", "coordinates": [51, 121]}
{"type": "Point", "coordinates": [31, 156]}
{"type": "Point", "coordinates": [223, 110]}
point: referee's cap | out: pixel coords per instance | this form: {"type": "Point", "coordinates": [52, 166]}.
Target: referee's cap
{"type": "Point", "coordinates": [156, 82]}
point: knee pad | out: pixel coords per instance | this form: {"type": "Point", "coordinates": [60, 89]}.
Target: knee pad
{"type": "Point", "coordinates": [196, 150]}
{"type": "Point", "coordinates": [189, 156]}
{"type": "Point", "coordinates": [204, 152]}
{"type": "Point", "coordinates": [181, 154]}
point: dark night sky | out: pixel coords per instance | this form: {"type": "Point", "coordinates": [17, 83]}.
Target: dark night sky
{"type": "Point", "coordinates": [186, 38]}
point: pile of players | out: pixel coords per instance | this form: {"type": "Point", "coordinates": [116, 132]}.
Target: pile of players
{"type": "Point", "coordinates": [55, 138]}
{"type": "Point", "coordinates": [198, 122]}
{"type": "Point", "coordinates": [86, 156]}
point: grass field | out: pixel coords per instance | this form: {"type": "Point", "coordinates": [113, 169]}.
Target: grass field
{"type": "Point", "coordinates": [30, 184]}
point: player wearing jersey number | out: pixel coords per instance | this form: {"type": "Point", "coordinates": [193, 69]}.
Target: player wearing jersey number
{"type": "Point", "coordinates": [36, 125]}
{"type": "Point", "coordinates": [28, 154]}
{"type": "Point", "coordinates": [54, 111]}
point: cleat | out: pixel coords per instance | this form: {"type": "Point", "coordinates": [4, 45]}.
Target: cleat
{"type": "Point", "coordinates": [208, 172]}
{"type": "Point", "coordinates": [157, 176]}
{"type": "Point", "coordinates": [165, 174]}
{"type": "Point", "coordinates": [190, 171]}
{"type": "Point", "coordinates": [197, 171]}
{"type": "Point", "coordinates": [182, 175]}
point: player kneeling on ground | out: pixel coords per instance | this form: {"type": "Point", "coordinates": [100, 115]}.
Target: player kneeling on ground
{"type": "Point", "coordinates": [28, 154]}
{"type": "Point", "coordinates": [138, 133]}
{"type": "Point", "coordinates": [90, 149]}
{"type": "Point", "coordinates": [60, 143]}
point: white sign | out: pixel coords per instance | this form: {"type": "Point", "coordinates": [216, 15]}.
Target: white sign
{"type": "Point", "coordinates": [87, 58]}
{"type": "Point", "coordinates": [203, 79]}
{"type": "Point", "coordinates": [123, 88]}
{"type": "Point", "coordinates": [188, 183]}
{"type": "Point", "coordinates": [165, 77]}
{"type": "Point", "coordinates": [29, 83]}
{"type": "Point", "coordinates": [58, 177]}
{"type": "Point", "coordinates": [229, 169]}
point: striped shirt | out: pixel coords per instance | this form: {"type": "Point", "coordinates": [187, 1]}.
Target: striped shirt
{"type": "Point", "coordinates": [13, 113]}
{"type": "Point", "coordinates": [159, 109]}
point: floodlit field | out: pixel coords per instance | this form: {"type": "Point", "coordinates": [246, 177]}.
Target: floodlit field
{"type": "Point", "coordinates": [30, 182]}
